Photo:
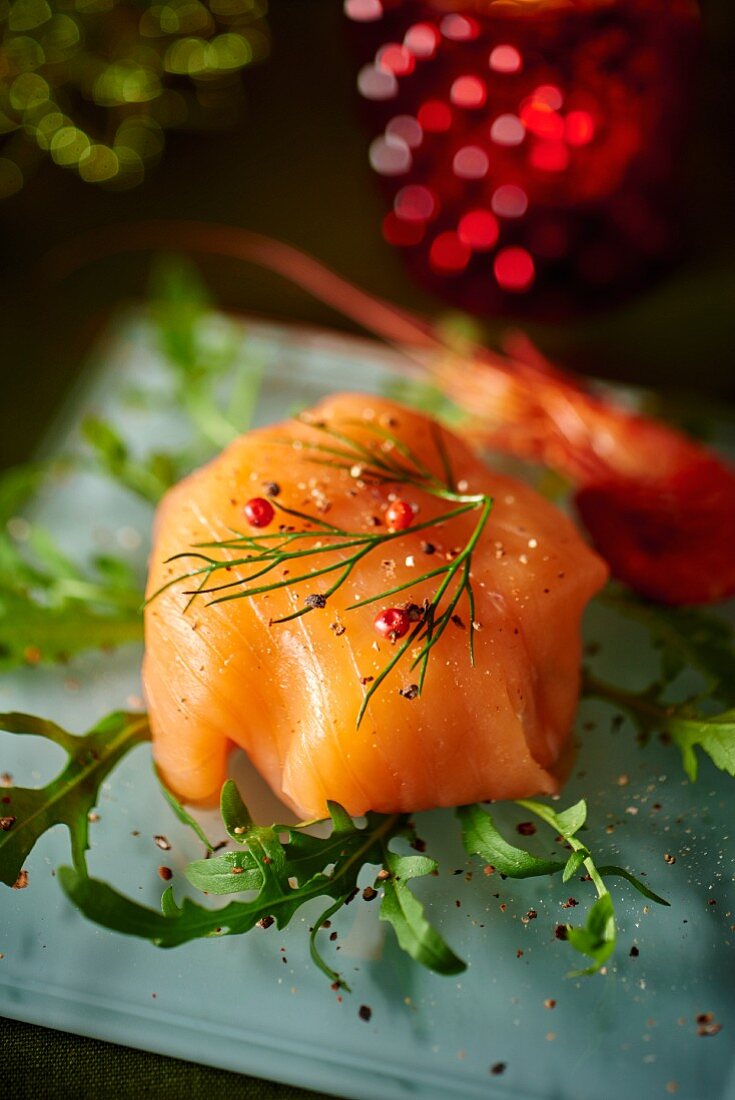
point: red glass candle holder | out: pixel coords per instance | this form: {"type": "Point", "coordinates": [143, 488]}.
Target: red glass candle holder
{"type": "Point", "coordinates": [529, 149]}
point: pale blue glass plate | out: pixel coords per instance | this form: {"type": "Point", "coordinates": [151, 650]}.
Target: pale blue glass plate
{"type": "Point", "coordinates": [247, 1005]}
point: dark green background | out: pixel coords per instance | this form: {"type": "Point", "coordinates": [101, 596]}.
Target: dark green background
{"type": "Point", "coordinates": [38, 1064]}
{"type": "Point", "coordinates": [296, 168]}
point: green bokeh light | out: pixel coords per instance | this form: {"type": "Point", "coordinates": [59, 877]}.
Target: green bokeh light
{"type": "Point", "coordinates": [94, 83]}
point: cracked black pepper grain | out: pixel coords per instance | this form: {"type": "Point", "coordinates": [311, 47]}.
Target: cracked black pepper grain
{"type": "Point", "coordinates": [316, 601]}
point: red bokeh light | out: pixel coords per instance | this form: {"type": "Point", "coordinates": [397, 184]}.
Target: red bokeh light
{"type": "Point", "coordinates": [415, 203]}
{"type": "Point", "coordinates": [541, 119]}
{"type": "Point", "coordinates": [510, 201]}
{"type": "Point", "coordinates": [435, 117]}
{"type": "Point", "coordinates": [511, 149]}
{"type": "Point", "coordinates": [395, 59]}
{"type": "Point", "coordinates": [514, 269]}
{"type": "Point", "coordinates": [422, 40]}
{"type": "Point", "coordinates": [471, 163]}
{"type": "Point", "coordinates": [448, 255]}
{"type": "Point", "coordinates": [376, 84]}
{"type": "Point", "coordinates": [550, 156]}
{"type": "Point", "coordinates": [507, 130]}
{"type": "Point", "coordinates": [478, 230]}
{"type": "Point", "coordinates": [468, 91]}
{"type": "Point", "coordinates": [363, 11]}
{"type": "Point", "coordinates": [406, 129]}
{"type": "Point", "coordinates": [459, 28]}
{"type": "Point", "coordinates": [505, 59]}
{"type": "Point", "coordinates": [579, 127]}
{"type": "Point", "coordinates": [550, 95]}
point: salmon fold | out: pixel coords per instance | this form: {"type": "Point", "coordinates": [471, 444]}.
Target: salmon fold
{"type": "Point", "coordinates": [221, 670]}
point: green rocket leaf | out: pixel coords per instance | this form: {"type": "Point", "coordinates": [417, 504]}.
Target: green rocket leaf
{"type": "Point", "coordinates": [284, 866]}
{"type": "Point", "coordinates": [596, 939]}
{"type": "Point", "coordinates": [68, 799]}
{"type": "Point", "coordinates": [406, 914]}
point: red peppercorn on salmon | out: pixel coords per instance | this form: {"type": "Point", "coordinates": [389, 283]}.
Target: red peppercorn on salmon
{"type": "Point", "coordinates": [421, 696]}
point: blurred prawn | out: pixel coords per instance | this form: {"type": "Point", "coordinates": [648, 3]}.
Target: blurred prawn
{"type": "Point", "coordinates": [658, 506]}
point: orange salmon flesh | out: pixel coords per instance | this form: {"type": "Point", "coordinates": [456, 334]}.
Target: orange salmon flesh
{"type": "Point", "coordinates": [223, 674]}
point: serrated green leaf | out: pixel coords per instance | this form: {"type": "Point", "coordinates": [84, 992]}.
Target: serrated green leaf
{"type": "Point", "coordinates": [110, 909]}
{"type": "Point", "coordinates": [69, 798]}
{"type": "Point", "coordinates": [285, 866]}
{"type": "Point", "coordinates": [51, 608]}
{"type": "Point", "coordinates": [566, 823]}
{"type": "Point", "coordinates": [713, 734]}
{"type": "Point", "coordinates": [230, 873]}
{"type": "Point", "coordinates": [169, 908]}
{"type": "Point", "coordinates": [32, 632]}
{"type": "Point", "coordinates": [279, 895]}
{"type": "Point", "coordinates": [406, 915]}
{"type": "Point", "coordinates": [715, 737]}
{"type": "Point", "coordinates": [686, 637]}
{"type": "Point", "coordinates": [574, 863]}
{"type": "Point", "coordinates": [182, 813]}
{"type": "Point", "coordinates": [596, 939]}
{"type": "Point", "coordinates": [341, 820]}
{"type": "Point", "coordinates": [408, 867]}
{"type": "Point", "coordinates": [148, 478]}
{"type": "Point", "coordinates": [613, 871]}
{"type": "Point", "coordinates": [481, 837]}
{"type": "Point", "coordinates": [235, 814]}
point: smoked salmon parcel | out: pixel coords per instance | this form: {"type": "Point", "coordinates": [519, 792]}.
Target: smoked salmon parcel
{"type": "Point", "coordinates": [376, 617]}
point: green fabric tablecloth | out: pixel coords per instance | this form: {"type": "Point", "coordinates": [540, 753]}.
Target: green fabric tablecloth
{"type": "Point", "coordinates": [40, 1064]}
{"type": "Point", "coordinates": [297, 169]}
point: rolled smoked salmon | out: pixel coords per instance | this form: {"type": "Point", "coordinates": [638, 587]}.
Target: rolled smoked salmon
{"type": "Point", "coordinates": [291, 693]}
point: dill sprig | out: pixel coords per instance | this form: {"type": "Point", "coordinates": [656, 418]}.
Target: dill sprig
{"type": "Point", "coordinates": [389, 461]}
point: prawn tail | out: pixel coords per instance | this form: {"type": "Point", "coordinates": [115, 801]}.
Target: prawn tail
{"type": "Point", "coordinates": [671, 539]}
{"type": "Point", "coordinates": [522, 405]}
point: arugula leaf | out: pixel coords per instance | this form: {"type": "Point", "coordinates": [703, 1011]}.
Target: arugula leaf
{"type": "Point", "coordinates": [50, 608]}
{"type": "Point", "coordinates": [69, 798]}
{"type": "Point", "coordinates": [148, 478]}
{"type": "Point", "coordinates": [715, 736]}
{"type": "Point", "coordinates": [480, 837]}
{"type": "Point", "coordinates": [687, 637]}
{"type": "Point", "coordinates": [200, 354]}
{"type": "Point", "coordinates": [285, 867]}
{"type": "Point", "coordinates": [688, 729]}
{"type": "Point", "coordinates": [281, 867]}
{"type": "Point", "coordinates": [182, 813]}
{"type": "Point", "coordinates": [107, 907]}
{"type": "Point", "coordinates": [596, 939]}
{"type": "Point", "coordinates": [613, 871]}
{"type": "Point", "coordinates": [230, 873]}
{"type": "Point", "coordinates": [235, 814]}
{"type": "Point", "coordinates": [32, 633]}
{"type": "Point", "coordinates": [406, 914]}
{"type": "Point", "coordinates": [567, 823]}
